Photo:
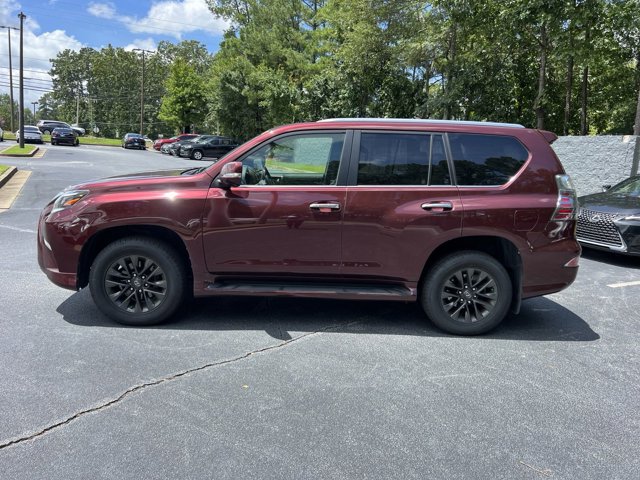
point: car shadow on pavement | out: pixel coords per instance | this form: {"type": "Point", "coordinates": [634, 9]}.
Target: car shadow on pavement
{"type": "Point", "coordinates": [611, 258]}
{"type": "Point", "coordinates": [540, 319]}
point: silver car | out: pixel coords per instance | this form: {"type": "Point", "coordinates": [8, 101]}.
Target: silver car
{"type": "Point", "coordinates": [31, 134]}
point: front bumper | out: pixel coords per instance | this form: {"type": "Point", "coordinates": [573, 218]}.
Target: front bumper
{"type": "Point", "coordinates": [60, 267]}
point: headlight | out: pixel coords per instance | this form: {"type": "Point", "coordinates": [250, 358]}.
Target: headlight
{"type": "Point", "coordinates": [68, 199]}
{"type": "Point", "coordinates": [635, 217]}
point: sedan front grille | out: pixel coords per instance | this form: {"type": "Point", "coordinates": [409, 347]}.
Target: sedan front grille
{"type": "Point", "coordinates": [597, 227]}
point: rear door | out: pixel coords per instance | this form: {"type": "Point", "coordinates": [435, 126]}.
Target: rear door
{"type": "Point", "coordinates": [401, 204]}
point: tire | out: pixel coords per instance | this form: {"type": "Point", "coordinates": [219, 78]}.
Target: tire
{"type": "Point", "coordinates": [473, 310]}
{"type": "Point", "coordinates": [197, 155]}
{"type": "Point", "coordinates": [46, 132]}
{"type": "Point", "coordinates": [126, 261]}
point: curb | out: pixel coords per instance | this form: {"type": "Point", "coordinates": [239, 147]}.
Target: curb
{"type": "Point", "coordinates": [6, 176]}
{"type": "Point", "coordinates": [20, 155]}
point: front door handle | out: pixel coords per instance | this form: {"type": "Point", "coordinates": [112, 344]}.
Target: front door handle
{"type": "Point", "coordinates": [325, 207]}
{"type": "Point", "coordinates": [432, 205]}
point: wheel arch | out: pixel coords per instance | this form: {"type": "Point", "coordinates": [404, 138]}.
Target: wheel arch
{"type": "Point", "coordinates": [499, 248]}
{"type": "Point", "coordinates": [102, 238]}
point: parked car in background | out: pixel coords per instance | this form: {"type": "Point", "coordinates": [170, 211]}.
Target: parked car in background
{"type": "Point", "coordinates": [174, 148]}
{"type": "Point", "coordinates": [1, 135]}
{"type": "Point", "coordinates": [611, 220]}
{"type": "Point", "coordinates": [207, 146]}
{"type": "Point", "coordinates": [47, 126]}
{"type": "Point", "coordinates": [62, 135]}
{"type": "Point", "coordinates": [31, 134]}
{"type": "Point", "coordinates": [134, 140]}
{"type": "Point", "coordinates": [466, 218]}
{"type": "Point", "coordinates": [157, 145]}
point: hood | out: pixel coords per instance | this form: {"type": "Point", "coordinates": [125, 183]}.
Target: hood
{"type": "Point", "coordinates": [159, 178]}
{"type": "Point", "coordinates": [611, 203]}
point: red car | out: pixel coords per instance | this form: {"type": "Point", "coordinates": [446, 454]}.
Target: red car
{"type": "Point", "coordinates": [157, 145]}
{"type": "Point", "coordinates": [466, 218]}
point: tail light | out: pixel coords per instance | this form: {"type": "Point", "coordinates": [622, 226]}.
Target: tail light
{"type": "Point", "coordinates": [567, 201]}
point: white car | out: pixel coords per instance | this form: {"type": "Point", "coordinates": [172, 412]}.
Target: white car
{"type": "Point", "coordinates": [1, 135]}
{"type": "Point", "coordinates": [31, 134]}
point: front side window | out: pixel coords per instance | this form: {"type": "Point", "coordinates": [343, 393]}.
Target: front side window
{"type": "Point", "coordinates": [402, 159]}
{"type": "Point", "coordinates": [307, 159]}
{"type": "Point", "coordinates": [486, 159]}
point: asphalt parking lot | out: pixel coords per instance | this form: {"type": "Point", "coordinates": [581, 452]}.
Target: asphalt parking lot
{"type": "Point", "coordinates": [284, 388]}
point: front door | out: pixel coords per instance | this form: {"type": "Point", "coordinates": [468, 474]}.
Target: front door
{"type": "Point", "coordinates": [286, 216]}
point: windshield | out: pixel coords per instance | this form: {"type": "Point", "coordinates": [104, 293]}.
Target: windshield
{"type": "Point", "coordinates": [630, 186]}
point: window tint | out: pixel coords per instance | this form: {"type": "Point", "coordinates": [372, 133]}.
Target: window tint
{"type": "Point", "coordinates": [310, 159]}
{"type": "Point", "coordinates": [486, 159]}
{"type": "Point", "coordinates": [402, 159]}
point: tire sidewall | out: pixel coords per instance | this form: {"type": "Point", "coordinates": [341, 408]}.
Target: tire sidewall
{"type": "Point", "coordinates": [442, 271]}
{"type": "Point", "coordinates": [163, 255]}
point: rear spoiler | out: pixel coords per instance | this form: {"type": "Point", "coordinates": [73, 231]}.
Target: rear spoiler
{"type": "Point", "coordinates": [548, 136]}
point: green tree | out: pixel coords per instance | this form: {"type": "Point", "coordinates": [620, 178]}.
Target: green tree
{"type": "Point", "coordinates": [184, 104]}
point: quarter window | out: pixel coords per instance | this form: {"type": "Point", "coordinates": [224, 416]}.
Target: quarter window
{"type": "Point", "coordinates": [310, 159]}
{"type": "Point", "coordinates": [486, 159]}
{"type": "Point", "coordinates": [402, 159]}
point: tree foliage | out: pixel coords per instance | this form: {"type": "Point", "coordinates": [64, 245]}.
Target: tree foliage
{"type": "Point", "coordinates": [570, 66]}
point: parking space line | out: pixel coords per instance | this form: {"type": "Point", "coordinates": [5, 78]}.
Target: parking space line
{"type": "Point", "coordinates": [624, 284]}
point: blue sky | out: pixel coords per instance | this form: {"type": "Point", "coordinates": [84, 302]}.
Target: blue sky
{"type": "Point", "coordinates": [54, 25]}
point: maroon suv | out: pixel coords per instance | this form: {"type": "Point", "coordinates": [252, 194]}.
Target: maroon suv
{"type": "Point", "coordinates": [466, 218]}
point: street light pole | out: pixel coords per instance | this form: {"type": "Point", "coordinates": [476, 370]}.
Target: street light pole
{"type": "Point", "coordinates": [10, 73]}
{"type": "Point", "coordinates": [142, 88]}
{"type": "Point", "coordinates": [34, 109]}
{"type": "Point", "coordinates": [22, 16]}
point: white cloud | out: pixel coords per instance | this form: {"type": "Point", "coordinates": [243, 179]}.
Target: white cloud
{"type": "Point", "coordinates": [102, 10]}
{"type": "Point", "coordinates": [144, 43]}
{"type": "Point", "coordinates": [174, 18]}
{"type": "Point", "coordinates": [38, 49]}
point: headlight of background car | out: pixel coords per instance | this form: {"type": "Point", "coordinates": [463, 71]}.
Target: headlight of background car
{"type": "Point", "coordinates": [67, 199]}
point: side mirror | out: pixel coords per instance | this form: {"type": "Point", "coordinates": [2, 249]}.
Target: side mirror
{"type": "Point", "coordinates": [605, 187]}
{"type": "Point", "coordinates": [231, 175]}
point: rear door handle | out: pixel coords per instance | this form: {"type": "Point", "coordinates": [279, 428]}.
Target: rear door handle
{"type": "Point", "coordinates": [432, 205]}
{"type": "Point", "coordinates": [325, 206]}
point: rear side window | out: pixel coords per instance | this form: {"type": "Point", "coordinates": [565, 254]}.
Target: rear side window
{"type": "Point", "coordinates": [486, 159]}
{"type": "Point", "coordinates": [402, 159]}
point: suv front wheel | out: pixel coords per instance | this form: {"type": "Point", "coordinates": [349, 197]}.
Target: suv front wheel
{"type": "Point", "coordinates": [467, 293]}
{"type": "Point", "coordinates": [138, 281]}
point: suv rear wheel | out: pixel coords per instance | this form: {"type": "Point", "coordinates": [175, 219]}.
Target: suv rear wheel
{"type": "Point", "coordinates": [138, 281]}
{"type": "Point", "coordinates": [467, 293]}
{"type": "Point", "coordinates": [46, 132]}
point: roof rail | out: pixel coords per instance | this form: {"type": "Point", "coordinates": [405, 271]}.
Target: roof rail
{"type": "Point", "coordinates": [421, 121]}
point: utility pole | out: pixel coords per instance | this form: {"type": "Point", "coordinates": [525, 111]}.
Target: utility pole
{"type": "Point", "coordinates": [142, 88]}
{"type": "Point", "coordinates": [78, 110]}
{"type": "Point", "coordinates": [10, 73]}
{"type": "Point", "coordinates": [34, 109]}
{"type": "Point", "coordinates": [22, 16]}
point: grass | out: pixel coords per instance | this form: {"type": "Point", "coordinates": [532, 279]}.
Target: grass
{"type": "Point", "coordinates": [83, 140]}
{"type": "Point", "coordinates": [3, 168]}
{"type": "Point", "coordinates": [277, 166]}
{"type": "Point", "coordinates": [16, 150]}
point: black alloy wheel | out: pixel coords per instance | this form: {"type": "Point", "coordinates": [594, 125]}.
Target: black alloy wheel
{"type": "Point", "coordinates": [467, 293]}
{"type": "Point", "coordinates": [138, 281]}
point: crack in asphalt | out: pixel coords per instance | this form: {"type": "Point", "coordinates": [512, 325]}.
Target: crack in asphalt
{"type": "Point", "coordinates": [168, 378]}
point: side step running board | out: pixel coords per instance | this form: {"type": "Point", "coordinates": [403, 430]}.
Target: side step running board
{"type": "Point", "coordinates": [346, 291]}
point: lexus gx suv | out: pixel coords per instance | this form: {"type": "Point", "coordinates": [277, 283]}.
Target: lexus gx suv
{"type": "Point", "coordinates": [466, 218]}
